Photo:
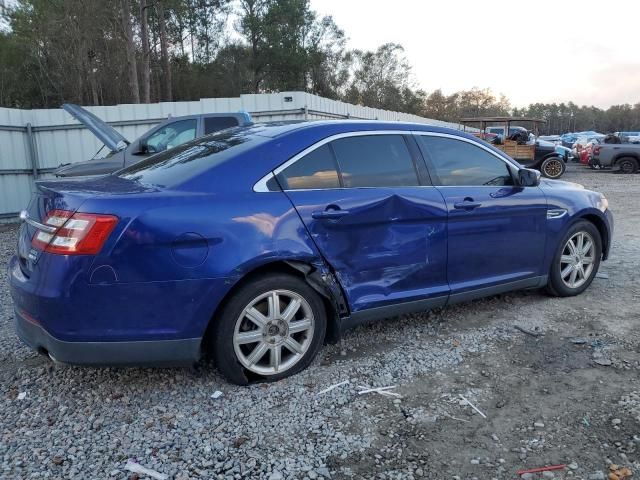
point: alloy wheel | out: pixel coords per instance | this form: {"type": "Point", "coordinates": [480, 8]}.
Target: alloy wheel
{"type": "Point", "coordinates": [273, 332]}
{"type": "Point", "coordinates": [553, 168]}
{"type": "Point", "coordinates": [577, 260]}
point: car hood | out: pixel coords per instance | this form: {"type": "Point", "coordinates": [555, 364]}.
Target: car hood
{"type": "Point", "coordinates": [548, 183]}
{"type": "Point", "coordinates": [108, 135]}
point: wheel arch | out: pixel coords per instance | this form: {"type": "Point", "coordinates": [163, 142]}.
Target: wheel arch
{"type": "Point", "coordinates": [315, 273]}
{"type": "Point", "coordinates": [622, 155]}
{"type": "Point", "coordinates": [601, 225]}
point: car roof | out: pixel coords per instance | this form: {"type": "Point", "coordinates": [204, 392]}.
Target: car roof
{"type": "Point", "coordinates": [277, 129]}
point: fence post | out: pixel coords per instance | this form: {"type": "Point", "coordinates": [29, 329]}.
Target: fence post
{"type": "Point", "coordinates": [33, 154]}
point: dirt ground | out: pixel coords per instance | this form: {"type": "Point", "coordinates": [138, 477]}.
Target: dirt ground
{"type": "Point", "coordinates": [569, 396]}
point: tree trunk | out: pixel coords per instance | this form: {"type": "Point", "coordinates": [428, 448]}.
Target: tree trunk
{"type": "Point", "coordinates": [164, 53]}
{"type": "Point", "coordinates": [144, 37]}
{"type": "Point", "coordinates": [131, 52]}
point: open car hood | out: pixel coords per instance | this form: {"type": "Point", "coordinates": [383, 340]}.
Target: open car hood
{"type": "Point", "coordinates": [108, 135]}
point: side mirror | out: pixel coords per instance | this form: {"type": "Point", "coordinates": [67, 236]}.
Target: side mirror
{"type": "Point", "coordinates": [527, 177]}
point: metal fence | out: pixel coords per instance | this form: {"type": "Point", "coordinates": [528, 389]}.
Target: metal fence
{"type": "Point", "coordinates": [33, 143]}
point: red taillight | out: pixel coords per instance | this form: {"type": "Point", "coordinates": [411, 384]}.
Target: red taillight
{"type": "Point", "coordinates": [77, 234]}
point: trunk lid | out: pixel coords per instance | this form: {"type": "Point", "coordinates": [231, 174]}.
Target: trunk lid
{"type": "Point", "coordinates": [108, 135]}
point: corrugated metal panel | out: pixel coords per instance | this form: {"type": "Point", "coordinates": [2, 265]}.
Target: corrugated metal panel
{"type": "Point", "coordinates": [55, 144]}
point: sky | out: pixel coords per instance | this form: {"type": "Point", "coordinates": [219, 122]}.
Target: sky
{"type": "Point", "coordinates": [531, 51]}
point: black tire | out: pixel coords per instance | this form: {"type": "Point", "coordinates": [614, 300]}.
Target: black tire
{"type": "Point", "coordinates": [222, 344]}
{"type": "Point", "coordinates": [628, 165]}
{"type": "Point", "coordinates": [553, 167]}
{"type": "Point", "coordinates": [556, 285]}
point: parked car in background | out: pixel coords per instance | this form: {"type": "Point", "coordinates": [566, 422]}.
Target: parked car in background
{"type": "Point", "coordinates": [628, 137]}
{"type": "Point", "coordinates": [258, 243]}
{"type": "Point", "coordinates": [623, 156]}
{"type": "Point", "coordinates": [522, 145]}
{"type": "Point", "coordinates": [170, 133]}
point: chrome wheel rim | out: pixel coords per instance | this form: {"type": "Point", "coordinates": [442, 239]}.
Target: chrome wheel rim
{"type": "Point", "coordinates": [577, 260]}
{"type": "Point", "coordinates": [273, 332]}
{"type": "Point", "coordinates": [553, 168]}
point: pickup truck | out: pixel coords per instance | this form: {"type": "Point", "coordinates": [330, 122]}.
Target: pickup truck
{"type": "Point", "coordinates": [624, 156]}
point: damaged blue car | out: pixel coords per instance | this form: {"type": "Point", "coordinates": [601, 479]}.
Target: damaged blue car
{"type": "Point", "coordinates": [259, 243]}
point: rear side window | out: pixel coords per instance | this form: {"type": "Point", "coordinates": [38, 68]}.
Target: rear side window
{"type": "Point", "coordinates": [460, 163]}
{"type": "Point", "coordinates": [315, 170]}
{"type": "Point", "coordinates": [375, 161]}
{"type": "Point", "coordinates": [213, 124]}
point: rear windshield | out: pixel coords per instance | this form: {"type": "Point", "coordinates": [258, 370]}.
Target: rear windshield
{"type": "Point", "coordinates": [179, 164]}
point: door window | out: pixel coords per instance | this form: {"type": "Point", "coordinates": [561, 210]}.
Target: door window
{"type": "Point", "coordinates": [460, 163]}
{"type": "Point", "coordinates": [375, 161]}
{"type": "Point", "coordinates": [214, 124]}
{"type": "Point", "coordinates": [172, 135]}
{"type": "Point", "coordinates": [315, 170]}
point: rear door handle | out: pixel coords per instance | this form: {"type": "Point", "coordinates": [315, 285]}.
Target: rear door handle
{"type": "Point", "coordinates": [466, 205]}
{"type": "Point", "coordinates": [329, 214]}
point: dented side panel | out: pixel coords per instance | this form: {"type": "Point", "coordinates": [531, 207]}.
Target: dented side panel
{"type": "Point", "coordinates": [390, 247]}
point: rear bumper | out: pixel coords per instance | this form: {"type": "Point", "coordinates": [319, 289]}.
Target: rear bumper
{"type": "Point", "coordinates": [131, 353]}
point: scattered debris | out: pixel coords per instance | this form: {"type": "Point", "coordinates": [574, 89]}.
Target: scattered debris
{"type": "Point", "coordinates": [602, 275]}
{"type": "Point", "coordinates": [22, 395]}
{"type": "Point", "coordinates": [473, 406]}
{"type": "Point", "coordinates": [384, 391]}
{"type": "Point", "coordinates": [57, 460]}
{"type": "Point", "coordinates": [619, 473]}
{"type": "Point", "coordinates": [216, 394]}
{"type": "Point", "coordinates": [605, 362]}
{"type": "Point", "coordinates": [328, 389]}
{"type": "Point", "coordinates": [578, 340]}
{"type": "Point", "coordinates": [135, 467]}
{"type": "Point", "coordinates": [533, 333]}
{"type": "Point", "coordinates": [455, 418]}
{"type": "Point", "coordinates": [542, 469]}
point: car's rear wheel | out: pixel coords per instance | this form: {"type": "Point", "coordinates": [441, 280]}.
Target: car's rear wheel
{"type": "Point", "coordinates": [271, 328]}
{"type": "Point", "coordinates": [553, 167]}
{"type": "Point", "coordinates": [576, 261]}
{"type": "Point", "coordinates": [628, 165]}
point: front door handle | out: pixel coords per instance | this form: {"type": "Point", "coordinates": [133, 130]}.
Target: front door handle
{"type": "Point", "coordinates": [329, 214]}
{"type": "Point", "coordinates": [468, 204]}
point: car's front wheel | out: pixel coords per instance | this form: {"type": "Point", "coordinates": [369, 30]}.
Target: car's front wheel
{"type": "Point", "coordinates": [272, 327]}
{"type": "Point", "coordinates": [576, 260]}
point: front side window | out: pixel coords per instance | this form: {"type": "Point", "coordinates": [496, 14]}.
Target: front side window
{"type": "Point", "coordinates": [172, 135]}
{"type": "Point", "coordinates": [461, 163]}
{"type": "Point", "coordinates": [315, 170]}
{"type": "Point", "coordinates": [375, 161]}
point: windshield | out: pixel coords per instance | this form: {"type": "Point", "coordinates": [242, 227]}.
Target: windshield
{"type": "Point", "coordinates": [186, 161]}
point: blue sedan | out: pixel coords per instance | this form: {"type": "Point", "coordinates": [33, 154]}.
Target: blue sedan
{"type": "Point", "coordinates": [259, 243]}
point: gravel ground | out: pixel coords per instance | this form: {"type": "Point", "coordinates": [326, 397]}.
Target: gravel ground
{"type": "Point", "coordinates": [569, 396]}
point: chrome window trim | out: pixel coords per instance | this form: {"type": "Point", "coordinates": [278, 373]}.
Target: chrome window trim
{"type": "Point", "coordinates": [261, 185]}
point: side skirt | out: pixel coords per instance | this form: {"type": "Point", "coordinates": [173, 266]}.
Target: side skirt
{"type": "Point", "coordinates": [379, 313]}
